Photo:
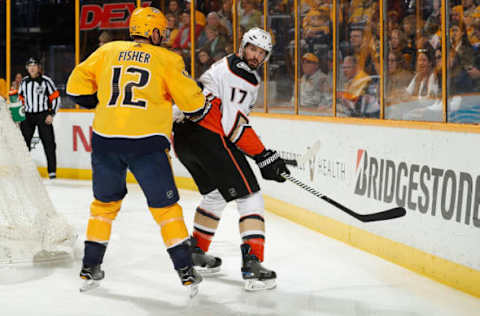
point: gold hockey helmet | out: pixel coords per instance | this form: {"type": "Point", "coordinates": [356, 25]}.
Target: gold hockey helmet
{"type": "Point", "coordinates": [144, 20]}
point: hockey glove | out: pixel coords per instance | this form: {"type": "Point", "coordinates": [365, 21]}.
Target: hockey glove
{"type": "Point", "coordinates": [177, 115]}
{"type": "Point", "coordinates": [271, 165]}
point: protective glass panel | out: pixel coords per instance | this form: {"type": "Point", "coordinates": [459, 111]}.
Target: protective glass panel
{"type": "Point", "coordinates": [250, 14]}
{"type": "Point", "coordinates": [103, 21]}
{"type": "Point", "coordinates": [413, 79]}
{"type": "Point", "coordinates": [281, 65]}
{"type": "Point", "coordinates": [215, 39]}
{"type": "Point", "coordinates": [45, 31]}
{"type": "Point", "coordinates": [358, 59]}
{"type": "Point", "coordinates": [316, 57]}
{"type": "Point", "coordinates": [463, 75]}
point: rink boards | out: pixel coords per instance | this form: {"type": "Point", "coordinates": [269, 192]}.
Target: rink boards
{"type": "Point", "coordinates": [367, 168]}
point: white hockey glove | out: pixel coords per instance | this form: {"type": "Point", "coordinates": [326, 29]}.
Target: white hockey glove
{"type": "Point", "coordinates": [178, 115]}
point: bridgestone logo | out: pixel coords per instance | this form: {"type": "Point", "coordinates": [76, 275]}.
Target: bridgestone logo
{"type": "Point", "coordinates": [429, 190]}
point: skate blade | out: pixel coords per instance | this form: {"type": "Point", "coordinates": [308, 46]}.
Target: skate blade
{"type": "Point", "coordinates": [89, 285]}
{"type": "Point", "coordinates": [192, 290]}
{"type": "Point", "coordinates": [253, 285]}
{"type": "Point", "coordinates": [207, 271]}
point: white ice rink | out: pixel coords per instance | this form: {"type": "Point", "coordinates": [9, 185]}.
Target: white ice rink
{"type": "Point", "coordinates": [316, 275]}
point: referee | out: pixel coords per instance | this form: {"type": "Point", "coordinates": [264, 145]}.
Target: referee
{"type": "Point", "coordinates": [41, 100]}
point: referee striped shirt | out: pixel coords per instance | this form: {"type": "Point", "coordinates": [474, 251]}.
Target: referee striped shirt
{"type": "Point", "coordinates": [39, 95]}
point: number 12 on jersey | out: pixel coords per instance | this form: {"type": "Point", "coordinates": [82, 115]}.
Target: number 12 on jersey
{"type": "Point", "coordinates": [127, 88]}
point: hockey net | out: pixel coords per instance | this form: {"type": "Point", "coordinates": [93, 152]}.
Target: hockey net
{"type": "Point", "coordinates": [30, 228]}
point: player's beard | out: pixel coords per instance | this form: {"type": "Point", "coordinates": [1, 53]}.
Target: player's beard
{"type": "Point", "coordinates": [253, 63]}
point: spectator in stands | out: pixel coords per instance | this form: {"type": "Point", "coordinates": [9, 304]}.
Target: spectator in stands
{"type": "Point", "coordinates": [474, 36]}
{"type": "Point", "coordinates": [251, 17]}
{"type": "Point", "coordinates": [362, 11]}
{"type": "Point", "coordinates": [361, 47]}
{"type": "Point", "coordinates": [104, 38]}
{"type": "Point", "coordinates": [199, 16]}
{"type": "Point", "coordinates": [473, 71]}
{"type": "Point", "coordinates": [171, 31]}
{"type": "Point", "coordinates": [425, 83]}
{"type": "Point", "coordinates": [316, 29]}
{"type": "Point", "coordinates": [409, 27]}
{"type": "Point", "coordinates": [398, 77]}
{"type": "Point", "coordinates": [225, 13]}
{"type": "Point", "coordinates": [456, 14]}
{"type": "Point", "coordinates": [359, 94]}
{"type": "Point", "coordinates": [182, 40]}
{"type": "Point", "coordinates": [215, 44]}
{"type": "Point", "coordinates": [314, 89]}
{"type": "Point", "coordinates": [398, 42]}
{"type": "Point", "coordinates": [213, 21]}
{"type": "Point", "coordinates": [433, 32]}
{"type": "Point", "coordinates": [204, 61]}
{"type": "Point", "coordinates": [174, 9]}
{"type": "Point", "coordinates": [470, 21]}
{"type": "Point", "coordinates": [211, 5]}
{"type": "Point", "coordinates": [461, 48]}
{"type": "Point", "coordinates": [14, 87]}
{"type": "Point", "coordinates": [393, 21]}
{"type": "Point", "coordinates": [461, 54]}
{"type": "Point", "coordinates": [16, 83]}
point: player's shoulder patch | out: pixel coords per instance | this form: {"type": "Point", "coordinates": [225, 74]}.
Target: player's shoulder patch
{"type": "Point", "coordinates": [238, 67]}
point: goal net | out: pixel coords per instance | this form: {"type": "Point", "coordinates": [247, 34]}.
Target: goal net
{"type": "Point", "coordinates": [30, 228]}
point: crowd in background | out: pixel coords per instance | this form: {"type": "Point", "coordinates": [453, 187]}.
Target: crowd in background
{"type": "Point", "coordinates": [412, 52]}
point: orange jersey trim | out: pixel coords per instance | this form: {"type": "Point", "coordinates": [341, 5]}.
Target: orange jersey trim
{"type": "Point", "coordinates": [249, 142]}
{"type": "Point", "coordinates": [54, 95]}
{"type": "Point", "coordinates": [213, 119]}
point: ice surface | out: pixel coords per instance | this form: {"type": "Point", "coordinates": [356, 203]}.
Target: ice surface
{"type": "Point", "coordinates": [316, 275]}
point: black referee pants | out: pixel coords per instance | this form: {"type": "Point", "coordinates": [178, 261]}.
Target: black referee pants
{"type": "Point", "coordinates": [32, 120]}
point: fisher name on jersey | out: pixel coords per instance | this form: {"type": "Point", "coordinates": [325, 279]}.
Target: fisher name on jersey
{"type": "Point", "coordinates": [232, 80]}
{"type": "Point", "coordinates": [135, 84]}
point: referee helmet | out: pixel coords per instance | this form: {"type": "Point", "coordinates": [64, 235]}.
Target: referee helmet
{"type": "Point", "coordinates": [32, 61]}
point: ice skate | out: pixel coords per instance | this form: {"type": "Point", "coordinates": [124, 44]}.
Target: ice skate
{"type": "Point", "coordinates": [190, 278]}
{"type": "Point", "coordinates": [92, 276]}
{"type": "Point", "coordinates": [257, 278]}
{"type": "Point", "coordinates": [205, 264]}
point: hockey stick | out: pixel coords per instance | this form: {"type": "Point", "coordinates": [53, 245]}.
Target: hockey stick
{"type": "Point", "coordinates": [311, 152]}
{"type": "Point", "coordinates": [373, 217]}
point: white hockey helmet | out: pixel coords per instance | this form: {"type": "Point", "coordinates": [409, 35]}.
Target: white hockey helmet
{"type": "Point", "coordinates": [258, 37]}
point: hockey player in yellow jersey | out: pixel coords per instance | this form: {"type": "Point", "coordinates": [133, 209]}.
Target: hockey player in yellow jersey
{"type": "Point", "coordinates": [131, 85]}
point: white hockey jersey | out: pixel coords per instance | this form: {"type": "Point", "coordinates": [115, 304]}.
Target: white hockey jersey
{"type": "Point", "coordinates": [231, 80]}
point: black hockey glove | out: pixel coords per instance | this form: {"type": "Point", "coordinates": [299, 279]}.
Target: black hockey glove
{"type": "Point", "coordinates": [271, 165]}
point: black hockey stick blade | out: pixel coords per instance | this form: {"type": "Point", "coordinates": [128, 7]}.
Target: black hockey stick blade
{"type": "Point", "coordinates": [372, 217]}
{"type": "Point", "coordinates": [385, 215]}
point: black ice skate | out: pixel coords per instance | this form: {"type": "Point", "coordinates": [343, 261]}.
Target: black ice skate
{"type": "Point", "coordinates": [190, 278]}
{"type": "Point", "coordinates": [92, 276]}
{"type": "Point", "coordinates": [256, 277]}
{"type": "Point", "coordinates": [204, 263]}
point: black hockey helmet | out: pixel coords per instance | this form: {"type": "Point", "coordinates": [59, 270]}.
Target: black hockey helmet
{"type": "Point", "coordinates": [32, 61]}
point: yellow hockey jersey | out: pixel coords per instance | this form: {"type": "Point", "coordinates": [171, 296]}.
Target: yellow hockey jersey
{"type": "Point", "coordinates": [135, 84]}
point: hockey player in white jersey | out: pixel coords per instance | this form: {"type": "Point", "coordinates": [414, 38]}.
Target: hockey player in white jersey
{"type": "Point", "coordinates": [214, 148]}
